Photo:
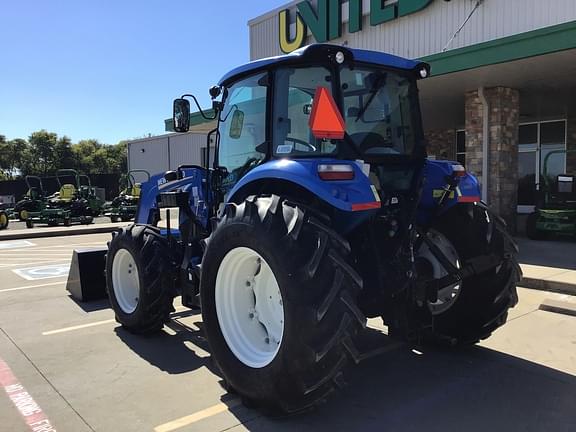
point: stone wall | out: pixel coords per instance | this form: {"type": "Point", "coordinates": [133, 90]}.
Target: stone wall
{"type": "Point", "coordinates": [441, 143]}
{"type": "Point", "coordinates": [503, 147]}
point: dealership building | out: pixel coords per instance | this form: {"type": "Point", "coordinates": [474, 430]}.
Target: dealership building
{"type": "Point", "coordinates": [502, 94]}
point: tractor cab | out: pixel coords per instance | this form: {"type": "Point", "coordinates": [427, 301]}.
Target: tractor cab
{"type": "Point", "coordinates": [324, 112]}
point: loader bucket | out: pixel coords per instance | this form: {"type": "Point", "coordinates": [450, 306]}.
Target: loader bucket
{"type": "Point", "coordinates": [86, 280]}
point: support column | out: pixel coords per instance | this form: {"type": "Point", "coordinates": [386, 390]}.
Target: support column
{"type": "Point", "coordinates": [503, 120]}
{"type": "Point", "coordinates": [571, 143]}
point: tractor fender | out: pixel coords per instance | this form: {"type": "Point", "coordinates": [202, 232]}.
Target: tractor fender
{"type": "Point", "coordinates": [435, 180]}
{"type": "Point", "coordinates": [345, 195]}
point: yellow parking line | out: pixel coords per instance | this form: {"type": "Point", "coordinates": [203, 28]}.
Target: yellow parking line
{"type": "Point", "coordinates": [32, 286]}
{"type": "Point", "coordinates": [78, 327]}
{"type": "Point", "coordinates": [196, 417]}
{"type": "Point", "coordinates": [97, 323]}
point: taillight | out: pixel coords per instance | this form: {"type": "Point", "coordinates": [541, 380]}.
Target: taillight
{"type": "Point", "coordinates": [458, 170]}
{"type": "Point", "coordinates": [330, 172]}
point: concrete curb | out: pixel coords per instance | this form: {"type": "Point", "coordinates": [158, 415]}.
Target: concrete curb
{"type": "Point", "coordinates": [548, 285]}
{"type": "Point", "coordinates": [31, 234]}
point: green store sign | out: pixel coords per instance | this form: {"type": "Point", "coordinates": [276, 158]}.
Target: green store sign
{"type": "Point", "coordinates": [325, 23]}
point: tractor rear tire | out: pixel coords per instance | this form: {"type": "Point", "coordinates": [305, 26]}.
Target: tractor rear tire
{"type": "Point", "coordinates": [140, 278]}
{"type": "Point", "coordinates": [304, 262]}
{"type": "Point", "coordinates": [483, 300]}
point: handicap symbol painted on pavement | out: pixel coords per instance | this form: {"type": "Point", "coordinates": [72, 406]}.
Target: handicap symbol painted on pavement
{"type": "Point", "coordinates": [15, 244]}
{"type": "Point", "coordinates": [44, 272]}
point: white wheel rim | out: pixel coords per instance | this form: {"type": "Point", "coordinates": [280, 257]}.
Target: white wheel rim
{"type": "Point", "coordinates": [249, 307]}
{"type": "Point", "coordinates": [446, 296]}
{"type": "Point", "coordinates": [125, 281]}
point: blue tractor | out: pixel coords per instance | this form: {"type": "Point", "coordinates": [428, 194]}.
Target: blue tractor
{"type": "Point", "coordinates": [319, 211]}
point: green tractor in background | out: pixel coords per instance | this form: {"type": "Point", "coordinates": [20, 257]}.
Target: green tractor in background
{"type": "Point", "coordinates": [124, 206]}
{"type": "Point", "coordinates": [555, 212]}
{"type": "Point", "coordinates": [33, 201]}
{"type": "Point", "coordinates": [88, 193]}
{"type": "Point", "coordinates": [75, 202]}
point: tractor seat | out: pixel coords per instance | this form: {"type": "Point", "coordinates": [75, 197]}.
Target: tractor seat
{"type": "Point", "coordinates": [33, 193]}
{"type": "Point", "coordinates": [136, 190]}
{"type": "Point", "coordinates": [67, 192]}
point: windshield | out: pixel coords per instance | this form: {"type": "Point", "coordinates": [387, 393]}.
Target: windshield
{"type": "Point", "coordinates": [376, 105]}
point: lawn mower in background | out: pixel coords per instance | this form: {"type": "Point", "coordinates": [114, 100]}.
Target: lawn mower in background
{"type": "Point", "coordinates": [87, 193]}
{"type": "Point", "coordinates": [67, 206]}
{"type": "Point", "coordinates": [124, 206]}
{"type": "Point", "coordinates": [33, 201]}
{"type": "Point", "coordinates": [555, 212]}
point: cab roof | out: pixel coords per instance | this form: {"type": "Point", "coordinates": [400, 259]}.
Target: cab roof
{"type": "Point", "coordinates": [318, 52]}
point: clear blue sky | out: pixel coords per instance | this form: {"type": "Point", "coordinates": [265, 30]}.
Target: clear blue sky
{"type": "Point", "coordinates": [109, 69]}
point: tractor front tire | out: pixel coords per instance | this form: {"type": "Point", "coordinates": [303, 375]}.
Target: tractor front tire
{"type": "Point", "coordinates": [279, 304]}
{"type": "Point", "coordinates": [140, 278]}
{"type": "Point", "coordinates": [483, 300]}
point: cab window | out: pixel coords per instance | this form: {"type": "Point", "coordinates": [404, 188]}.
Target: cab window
{"type": "Point", "coordinates": [243, 128]}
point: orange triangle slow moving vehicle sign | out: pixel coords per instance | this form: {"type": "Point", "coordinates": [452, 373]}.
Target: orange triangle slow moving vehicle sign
{"type": "Point", "coordinates": [325, 119]}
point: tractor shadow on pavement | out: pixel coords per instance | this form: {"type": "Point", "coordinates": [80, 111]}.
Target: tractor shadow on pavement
{"type": "Point", "coordinates": [171, 350]}
{"type": "Point", "coordinates": [470, 389]}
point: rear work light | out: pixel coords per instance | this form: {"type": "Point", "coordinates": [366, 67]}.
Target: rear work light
{"type": "Point", "coordinates": [458, 170]}
{"type": "Point", "coordinates": [330, 172]}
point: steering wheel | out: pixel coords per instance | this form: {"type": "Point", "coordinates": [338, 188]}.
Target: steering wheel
{"type": "Point", "coordinates": [302, 142]}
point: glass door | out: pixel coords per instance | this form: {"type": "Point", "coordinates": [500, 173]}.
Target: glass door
{"type": "Point", "coordinates": [535, 142]}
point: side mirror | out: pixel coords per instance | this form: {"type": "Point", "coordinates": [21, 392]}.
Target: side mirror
{"type": "Point", "coordinates": [181, 115]}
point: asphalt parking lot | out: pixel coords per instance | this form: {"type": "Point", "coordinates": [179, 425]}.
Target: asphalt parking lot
{"type": "Point", "coordinates": [69, 366]}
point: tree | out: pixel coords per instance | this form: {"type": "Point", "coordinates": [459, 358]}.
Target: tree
{"type": "Point", "coordinates": [46, 152]}
{"type": "Point", "coordinates": [64, 153]}
{"type": "Point", "coordinates": [11, 155]}
{"type": "Point", "coordinates": [43, 150]}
